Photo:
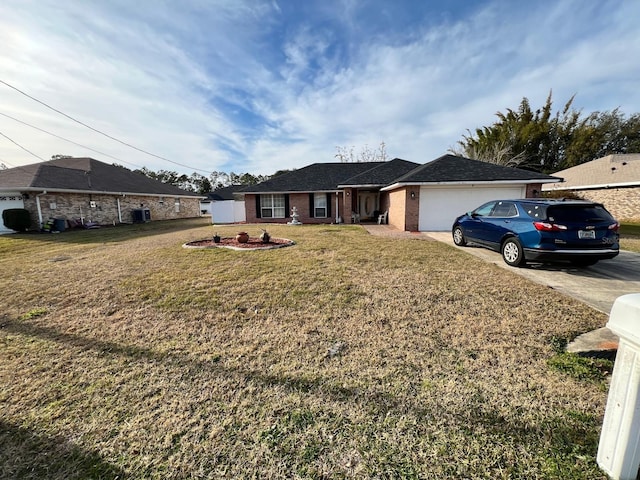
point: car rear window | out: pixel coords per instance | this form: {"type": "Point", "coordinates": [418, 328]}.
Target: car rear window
{"type": "Point", "coordinates": [578, 213]}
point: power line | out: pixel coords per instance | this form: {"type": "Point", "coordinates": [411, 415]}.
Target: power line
{"type": "Point", "coordinates": [98, 131]}
{"type": "Point", "coordinates": [23, 148]}
{"type": "Point", "coordinates": [67, 140]}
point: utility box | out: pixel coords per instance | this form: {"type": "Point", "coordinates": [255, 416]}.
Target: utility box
{"type": "Point", "coordinates": [619, 449]}
{"type": "Point", "coordinates": [141, 215]}
{"type": "Point", "coordinates": [59, 224]}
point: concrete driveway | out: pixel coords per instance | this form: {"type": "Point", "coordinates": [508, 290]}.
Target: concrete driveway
{"type": "Point", "coordinates": [597, 286]}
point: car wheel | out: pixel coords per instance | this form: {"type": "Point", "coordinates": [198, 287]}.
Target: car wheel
{"type": "Point", "coordinates": [458, 237]}
{"type": "Point", "coordinates": [512, 252]}
{"type": "Point", "coordinates": [583, 262]}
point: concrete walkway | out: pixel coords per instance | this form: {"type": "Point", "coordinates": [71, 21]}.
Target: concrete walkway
{"type": "Point", "coordinates": [597, 286]}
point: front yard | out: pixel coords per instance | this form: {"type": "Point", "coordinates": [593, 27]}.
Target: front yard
{"type": "Point", "coordinates": [345, 356]}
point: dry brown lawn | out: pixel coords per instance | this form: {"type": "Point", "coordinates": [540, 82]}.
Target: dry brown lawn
{"type": "Point", "coordinates": [123, 355]}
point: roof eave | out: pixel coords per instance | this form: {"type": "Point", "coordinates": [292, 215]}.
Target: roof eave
{"type": "Point", "coordinates": [595, 187]}
{"type": "Point", "coordinates": [95, 192]}
{"type": "Point", "coordinates": [393, 186]}
{"type": "Point", "coordinates": [367, 185]}
{"type": "Point", "coordinates": [287, 192]}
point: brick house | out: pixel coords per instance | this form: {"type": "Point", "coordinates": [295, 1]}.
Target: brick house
{"type": "Point", "coordinates": [416, 197]}
{"type": "Point", "coordinates": [93, 191]}
{"type": "Point", "coordinates": [613, 180]}
{"type": "Point", "coordinates": [324, 192]}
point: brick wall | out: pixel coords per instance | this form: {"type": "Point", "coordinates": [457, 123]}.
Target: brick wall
{"type": "Point", "coordinates": [623, 203]}
{"type": "Point", "coordinates": [303, 206]}
{"type": "Point", "coordinates": [404, 210]}
{"type": "Point", "coordinates": [105, 211]}
{"type": "Point", "coordinates": [533, 190]}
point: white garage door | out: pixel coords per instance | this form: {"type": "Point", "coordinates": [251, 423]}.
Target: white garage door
{"type": "Point", "coordinates": [439, 206]}
{"type": "Point", "coordinates": [9, 200]}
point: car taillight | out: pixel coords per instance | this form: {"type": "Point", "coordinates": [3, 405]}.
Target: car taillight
{"type": "Point", "coordinates": [614, 226]}
{"type": "Point", "coordinates": [548, 227]}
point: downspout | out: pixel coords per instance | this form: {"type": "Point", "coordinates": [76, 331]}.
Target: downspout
{"type": "Point", "coordinates": [119, 211]}
{"type": "Point", "coordinates": [39, 208]}
{"type": "Point", "coordinates": [337, 206]}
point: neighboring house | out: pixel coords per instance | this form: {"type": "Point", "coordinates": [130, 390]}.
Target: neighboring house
{"type": "Point", "coordinates": [225, 205]}
{"type": "Point", "coordinates": [92, 191]}
{"type": "Point", "coordinates": [324, 192]}
{"type": "Point", "coordinates": [613, 180]}
{"type": "Point", "coordinates": [416, 197]}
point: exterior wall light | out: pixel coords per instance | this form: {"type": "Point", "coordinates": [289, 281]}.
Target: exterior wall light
{"type": "Point", "coordinates": [413, 194]}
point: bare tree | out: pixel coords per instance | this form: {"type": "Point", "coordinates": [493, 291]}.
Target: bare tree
{"type": "Point", "coordinates": [347, 155]}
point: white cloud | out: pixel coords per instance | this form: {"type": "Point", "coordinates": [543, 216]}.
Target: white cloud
{"type": "Point", "coordinates": [260, 86]}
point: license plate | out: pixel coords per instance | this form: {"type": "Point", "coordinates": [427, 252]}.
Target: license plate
{"type": "Point", "coordinates": [587, 234]}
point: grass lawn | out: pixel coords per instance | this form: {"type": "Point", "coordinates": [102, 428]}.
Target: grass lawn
{"type": "Point", "coordinates": [124, 355]}
{"type": "Point", "coordinates": [630, 237]}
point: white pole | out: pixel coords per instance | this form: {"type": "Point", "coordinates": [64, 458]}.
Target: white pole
{"type": "Point", "coordinates": [39, 208]}
{"type": "Point", "coordinates": [119, 211]}
{"type": "Point", "coordinates": [619, 449]}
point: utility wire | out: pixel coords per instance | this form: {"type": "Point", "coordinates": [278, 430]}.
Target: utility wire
{"type": "Point", "coordinates": [23, 148]}
{"type": "Point", "coordinates": [67, 140]}
{"type": "Point", "coordinates": [96, 130]}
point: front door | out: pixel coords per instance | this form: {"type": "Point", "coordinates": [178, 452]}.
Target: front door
{"type": "Point", "coordinates": [368, 204]}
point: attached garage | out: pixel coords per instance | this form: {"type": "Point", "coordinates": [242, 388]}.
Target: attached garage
{"type": "Point", "coordinates": [430, 197]}
{"type": "Point", "coordinates": [7, 201]}
{"type": "Point", "coordinates": [439, 206]}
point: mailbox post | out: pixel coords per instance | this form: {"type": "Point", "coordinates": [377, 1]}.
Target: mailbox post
{"type": "Point", "coordinates": [619, 449]}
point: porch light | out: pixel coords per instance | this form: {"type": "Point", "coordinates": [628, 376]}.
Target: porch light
{"type": "Point", "coordinates": [413, 194]}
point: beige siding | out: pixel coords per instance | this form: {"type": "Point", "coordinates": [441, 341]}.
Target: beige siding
{"type": "Point", "coordinates": [623, 203]}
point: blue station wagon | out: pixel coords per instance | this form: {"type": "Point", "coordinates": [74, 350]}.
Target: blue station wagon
{"type": "Point", "coordinates": [537, 230]}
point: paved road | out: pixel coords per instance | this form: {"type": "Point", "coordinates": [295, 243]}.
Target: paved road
{"type": "Point", "coordinates": [597, 286]}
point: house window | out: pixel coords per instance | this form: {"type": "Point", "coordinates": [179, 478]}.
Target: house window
{"type": "Point", "coordinates": [272, 206]}
{"type": "Point", "coordinates": [320, 205]}
{"type": "Point", "coordinates": [177, 205]}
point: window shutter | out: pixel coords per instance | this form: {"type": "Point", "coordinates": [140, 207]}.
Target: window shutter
{"type": "Point", "coordinates": [329, 205]}
{"type": "Point", "coordinates": [287, 213]}
{"type": "Point", "coordinates": [258, 209]}
{"type": "Point", "coordinates": [312, 206]}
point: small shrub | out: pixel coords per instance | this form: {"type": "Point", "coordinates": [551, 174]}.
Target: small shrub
{"type": "Point", "coordinates": [562, 194]}
{"type": "Point", "coordinates": [16, 219]}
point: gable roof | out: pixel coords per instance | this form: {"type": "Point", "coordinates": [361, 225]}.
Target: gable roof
{"type": "Point", "coordinates": [604, 172]}
{"type": "Point", "coordinates": [380, 175]}
{"type": "Point", "coordinates": [329, 177]}
{"type": "Point", "coordinates": [449, 169]}
{"type": "Point", "coordinates": [84, 175]}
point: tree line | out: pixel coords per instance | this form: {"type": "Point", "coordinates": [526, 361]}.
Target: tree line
{"type": "Point", "coordinates": [545, 142]}
{"type": "Point", "coordinates": [200, 184]}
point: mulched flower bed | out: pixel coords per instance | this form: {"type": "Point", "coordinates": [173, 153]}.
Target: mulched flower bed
{"type": "Point", "coordinates": [254, 243]}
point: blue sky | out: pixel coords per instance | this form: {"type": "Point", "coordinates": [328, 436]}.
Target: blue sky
{"type": "Point", "coordinates": [259, 86]}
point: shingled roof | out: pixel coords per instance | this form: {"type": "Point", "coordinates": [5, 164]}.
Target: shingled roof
{"type": "Point", "coordinates": [84, 175]}
{"type": "Point", "coordinates": [453, 169]}
{"type": "Point", "coordinates": [328, 177]}
{"type": "Point", "coordinates": [381, 174]}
